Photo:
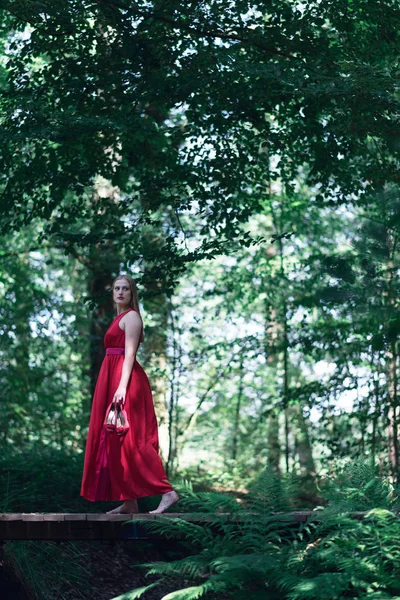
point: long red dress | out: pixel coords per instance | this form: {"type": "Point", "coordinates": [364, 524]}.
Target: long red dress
{"type": "Point", "coordinates": [126, 467]}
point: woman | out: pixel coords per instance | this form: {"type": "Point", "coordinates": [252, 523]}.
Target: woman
{"type": "Point", "coordinates": [124, 467]}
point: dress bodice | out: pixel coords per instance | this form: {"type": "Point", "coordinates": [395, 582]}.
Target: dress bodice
{"type": "Point", "coordinates": [115, 336]}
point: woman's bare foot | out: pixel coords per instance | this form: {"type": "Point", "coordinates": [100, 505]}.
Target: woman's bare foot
{"type": "Point", "coordinates": [129, 506]}
{"type": "Point", "coordinates": [167, 500]}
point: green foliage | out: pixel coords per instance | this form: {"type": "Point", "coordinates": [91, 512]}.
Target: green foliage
{"type": "Point", "coordinates": [138, 593]}
{"type": "Point", "coordinates": [184, 109]}
{"type": "Point", "coordinates": [161, 136]}
{"type": "Point", "coordinates": [257, 554]}
{"type": "Point", "coordinates": [45, 481]}
{"type": "Point", "coordinates": [43, 339]}
{"type": "Point", "coordinates": [346, 555]}
{"type": "Point", "coordinates": [357, 486]}
{"type": "Point", "coordinates": [237, 544]}
{"type": "Point", "coordinates": [45, 566]}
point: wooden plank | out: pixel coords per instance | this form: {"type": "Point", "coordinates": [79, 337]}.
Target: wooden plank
{"type": "Point", "coordinates": [35, 529]}
{"type": "Point", "coordinates": [97, 517]}
{"type": "Point", "coordinates": [53, 517]}
{"type": "Point", "coordinates": [15, 530]}
{"type": "Point", "coordinates": [75, 517]}
{"type": "Point", "coordinates": [33, 517]}
{"type": "Point", "coordinates": [57, 530]}
{"type": "Point", "coordinates": [193, 517]}
{"type": "Point", "coordinates": [119, 517]}
{"type": "Point", "coordinates": [100, 526]}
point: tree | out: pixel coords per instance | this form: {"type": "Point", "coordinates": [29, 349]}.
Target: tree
{"type": "Point", "coordinates": [190, 97]}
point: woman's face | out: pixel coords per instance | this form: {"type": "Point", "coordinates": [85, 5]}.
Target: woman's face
{"type": "Point", "coordinates": [122, 293]}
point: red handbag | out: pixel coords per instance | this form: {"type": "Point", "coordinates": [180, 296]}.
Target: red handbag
{"type": "Point", "coordinates": [110, 420]}
{"type": "Point", "coordinates": [116, 419]}
{"type": "Point", "coordinates": [122, 425]}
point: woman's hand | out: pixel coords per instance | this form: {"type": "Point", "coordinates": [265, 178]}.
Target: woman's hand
{"type": "Point", "coordinates": [120, 395]}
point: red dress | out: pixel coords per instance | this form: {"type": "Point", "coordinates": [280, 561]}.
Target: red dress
{"type": "Point", "coordinates": [126, 467]}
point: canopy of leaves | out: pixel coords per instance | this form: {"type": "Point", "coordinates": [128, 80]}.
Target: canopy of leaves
{"type": "Point", "coordinates": [183, 104]}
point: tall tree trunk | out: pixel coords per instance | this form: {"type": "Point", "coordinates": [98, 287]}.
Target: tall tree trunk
{"type": "Point", "coordinates": [303, 445]}
{"type": "Point", "coordinates": [237, 411]}
{"type": "Point", "coordinates": [377, 401]}
{"type": "Point", "coordinates": [101, 272]}
{"type": "Point", "coordinates": [393, 413]}
{"type": "Point", "coordinates": [274, 447]}
{"type": "Point", "coordinates": [155, 354]}
{"type": "Point", "coordinates": [18, 394]}
{"type": "Point", "coordinates": [173, 425]}
{"type": "Point", "coordinates": [285, 344]}
{"type": "Point", "coordinates": [22, 314]}
{"type": "Point", "coordinates": [272, 358]}
{"type": "Point", "coordinates": [391, 370]}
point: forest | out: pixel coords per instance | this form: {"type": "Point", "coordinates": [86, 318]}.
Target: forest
{"type": "Point", "coordinates": [240, 160]}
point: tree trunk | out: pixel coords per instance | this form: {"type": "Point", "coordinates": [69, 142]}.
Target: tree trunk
{"type": "Point", "coordinates": [303, 444]}
{"type": "Point", "coordinates": [155, 354]}
{"type": "Point", "coordinates": [274, 448]}
{"type": "Point", "coordinates": [377, 401]}
{"type": "Point", "coordinates": [173, 425]}
{"type": "Point", "coordinates": [285, 344]}
{"type": "Point", "coordinates": [391, 368]}
{"type": "Point", "coordinates": [271, 351]}
{"type": "Point", "coordinates": [393, 416]}
{"type": "Point", "coordinates": [237, 411]}
{"type": "Point", "coordinates": [100, 276]}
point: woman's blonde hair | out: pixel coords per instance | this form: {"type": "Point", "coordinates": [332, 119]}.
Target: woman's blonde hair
{"type": "Point", "coordinates": [134, 303]}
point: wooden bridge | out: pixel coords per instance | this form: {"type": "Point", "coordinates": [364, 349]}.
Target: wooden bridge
{"type": "Point", "coordinates": [94, 526]}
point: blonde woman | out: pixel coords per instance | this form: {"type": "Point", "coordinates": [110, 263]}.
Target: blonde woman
{"type": "Point", "coordinates": [122, 462]}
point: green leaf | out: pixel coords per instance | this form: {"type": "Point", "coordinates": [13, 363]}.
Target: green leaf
{"type": "Point", "coordinates": [137, 593]}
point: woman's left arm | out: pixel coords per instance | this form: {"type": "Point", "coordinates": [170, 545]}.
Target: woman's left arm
{"type": "Point", "coordinates": [133, 328]}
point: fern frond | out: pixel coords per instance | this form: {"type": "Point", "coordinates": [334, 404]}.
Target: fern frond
{"type": "Point", "coordinates": [257, 564]}
{"type": "Point", "coordinates": [359, 487]}
{"type": "Point", "coordinates": [190, 593]}
{"type": "Point", "coordinates": [271, 493]}
{"type": "Point", "coordinates": [214, 502]}
{"type": "Point", "coordinates": [264, 594]}
{"type": "Point", "coordinates": [138, 593]}
{"type": "Point", "coordinates": [175, 527]}
{"type": "Point", "coordinates": [194, 566]}
{"type": "Point", "coordinates": [205, 502]}
{"type": "Point", "coordinates": [326, 586]}
{"type": "Point", "coordinates": [378, 596]}
{"type": "Point", "coordinates": [216, 584]}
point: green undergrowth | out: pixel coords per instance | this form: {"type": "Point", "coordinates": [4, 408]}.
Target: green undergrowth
{"type": "Point", "coordinates": [47, 569]}
{"type": "Point", "coordinates": [259, 557]}
{"type": "Point", "coordinates": [48, 481]}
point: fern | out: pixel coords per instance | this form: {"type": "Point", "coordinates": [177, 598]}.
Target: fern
{"type": "Point", "coordinates": [207, 502]}
{"type": "Point", "coordinates": [138, 593]}
{"type": "Point", "coordinates": [349, 557]}
{"type": "Point", "coordinates": [198, 591]}
{"type": "Point", "coordinates": [358, 487]}
{"type": "Point", "coordinates": [176, 528]}
{"type": "Point", "coordinates": [271, 494]}
{"type": "Point", "coordinates": [252, 553]}
{"type": "Point", "coordinates": [193, 566]}
{"type": "Point", "coordinates": [238, 544]}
